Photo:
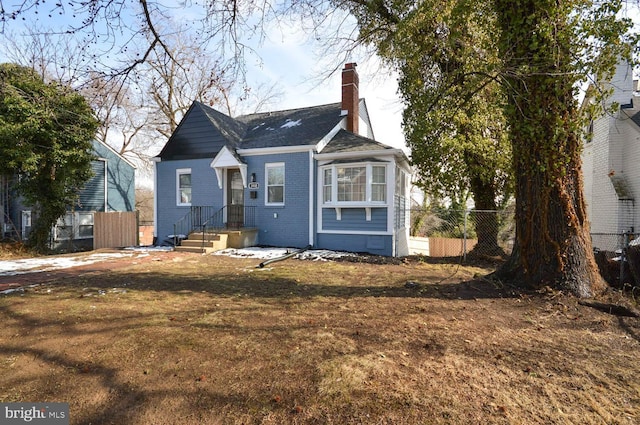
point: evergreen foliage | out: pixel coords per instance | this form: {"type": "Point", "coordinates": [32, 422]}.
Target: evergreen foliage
{"type": "Point", "coordinates": [45, 139]}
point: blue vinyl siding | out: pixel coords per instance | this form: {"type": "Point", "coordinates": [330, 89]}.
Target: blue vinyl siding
{"type": "Point", "coordinates": [354, 219]}
{"type": "Point", "coordinates": [373, 244]}
{"type": "Point", "coordinates": [204, 192]}
{"type": "Point", "coordinates": [291, 226]}
{"type": "Point", "coordinates": [121, 181]}
{"type": "Point", "coordinates": [92, 196]}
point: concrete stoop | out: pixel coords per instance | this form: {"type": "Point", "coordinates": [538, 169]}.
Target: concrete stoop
{"type": "Point", "coordinates": [204, 245]}
{"type": "Point", "coordinates": [241, 238]}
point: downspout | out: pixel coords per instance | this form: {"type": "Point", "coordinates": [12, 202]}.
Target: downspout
{"type": "Point", "coordinates": [284, 257]}
{"type": "Point", "coordinates": [312, 198]}
{"type": "Point", "coordinates": [155, 199]}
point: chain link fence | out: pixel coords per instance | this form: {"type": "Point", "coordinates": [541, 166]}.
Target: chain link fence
{"type": "Point", "coordinates": [439, 232]}
{"type": "Point", "coordinates": [618, 257]}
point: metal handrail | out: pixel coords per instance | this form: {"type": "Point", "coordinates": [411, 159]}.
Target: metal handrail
{"type": "Point", "coordinates": [205, 218]}
{"type": "Point", "coordinates": [190, 221]}
{"type": "Point", "coordinates": [216, 221]}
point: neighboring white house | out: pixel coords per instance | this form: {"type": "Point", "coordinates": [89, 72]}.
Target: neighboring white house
{"type": "Point", "coordinates": [611, 160]}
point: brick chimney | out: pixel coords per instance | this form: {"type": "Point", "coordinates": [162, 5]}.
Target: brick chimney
{"type": "Point", "coordinates": [350, 97]}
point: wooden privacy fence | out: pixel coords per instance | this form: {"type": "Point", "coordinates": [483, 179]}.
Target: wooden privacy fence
{"type": "Point", "coordinates": [115, 229]}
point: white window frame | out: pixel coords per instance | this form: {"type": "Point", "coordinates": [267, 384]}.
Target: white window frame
{"type": "Point", "coordinates": [383, 184]}
{"type": "Point", "coordinates": [369, 183]}
{"type": "Point", "coordinates": [267, 167]}
{"type": "Point", "coordinates": [73, 221]}
{"type": "Point", "coordinates": [181, 172]}
{"type": "Point", "coordinates": [325, 185]}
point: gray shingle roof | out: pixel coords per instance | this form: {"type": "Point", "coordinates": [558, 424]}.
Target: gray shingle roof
{"type": "Point", "coordinates": [203, 131]}
{"type": "Point", "coordinates": [294, 127]}
{"type": "Point", "coordinates": [345, 141]}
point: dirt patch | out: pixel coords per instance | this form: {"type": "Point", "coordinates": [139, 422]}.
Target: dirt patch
{"type": "Point", "coordinates": [182, 338]}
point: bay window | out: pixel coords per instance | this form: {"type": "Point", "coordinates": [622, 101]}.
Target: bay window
{"type": "Point", "coordinates": [378, 183]}
{"type": "Point", "coordinates": [326, 185]}
{"type": "Point", "coordinates": [354, 184]}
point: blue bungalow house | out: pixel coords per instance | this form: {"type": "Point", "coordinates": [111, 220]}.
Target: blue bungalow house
{"type": "Point", "coordinates": [112, 188]}
{"type": "Point", "coordinates": [310, 176]}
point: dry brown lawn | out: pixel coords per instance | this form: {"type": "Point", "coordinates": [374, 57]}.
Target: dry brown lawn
{"type": "Point", "coordinates": [192, 339]}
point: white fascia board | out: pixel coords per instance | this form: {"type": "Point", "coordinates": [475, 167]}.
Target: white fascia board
{"type": "Point", "coordinates": [330, 135]}
{"type": "Point", "coordinates": [276, 150]}
{"type": "Point", "coordinates": [155, 196]}
{"type": "Point", "coordinates": [156, 159]}
{"type": "Point", "coordinates": [391, 189]}
{"type": "Point", "coordinates": [116, 153]}
{"type": "Point", "coordinates": [225, 159]}
{"type": "Point", "coordinates": [311, 197]}
{"type": "Point", "coordinates": [355, 232]}
{"type": "Point", "coordinates": [359, 154]}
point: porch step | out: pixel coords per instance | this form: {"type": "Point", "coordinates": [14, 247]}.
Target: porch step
{"type": "Point", "coordinates": [212, 242]}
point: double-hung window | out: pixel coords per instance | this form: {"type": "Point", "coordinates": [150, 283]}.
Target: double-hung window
{"type": "Point", "coordinates": [275, 183]}
{"type": "Point", "coordinates": [327, 183]}
{"type": "Point", "coordinates": [183, 186]}
{"type": "Point", "coordinates": [378, 183]}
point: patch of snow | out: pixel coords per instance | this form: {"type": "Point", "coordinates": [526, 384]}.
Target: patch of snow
{"type": "Point", "coordinates": [148, 248]}
{"type": "Point", "coordinates": [257, 126]}
{"type": "Point", "coordinates": [18, 289]}
{"type": "Point", "coordinates": [289, 123]}
{"type": "Point", "coordinates": [635, 242]}
{"type": "Point", "coordinates": [271, 253]}
{"type": "Point", "coordinates": [44, 264]}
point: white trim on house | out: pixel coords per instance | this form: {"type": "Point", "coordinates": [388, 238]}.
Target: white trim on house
{"type": "Point", "coordinates": [326, 139]}
{"type": "Point", "coordinates": [116, 153]}
{"type": "Point", "coordinates": [367, 204]}
{"type": "Point", "coordinates": [179, 172]}
{"type": "Point", "coordinates": [360, 154]}
{"type": "Point", "coordinates": [276, 150]}
{"type": "Point", "coordinates": [226, 159]}
{"type": "Point", "coordinates": [267, 166]}
{"type": "Point", "coordinates": [311, 196]}
{"type": "Point", "coordinates": [391, 188]}
{"type": "Point", "coordinates": [106, 183]}
{"type": "Point", "coordinates": [155, 161]}
{"type": "Point", "coordinates": [356, 232]}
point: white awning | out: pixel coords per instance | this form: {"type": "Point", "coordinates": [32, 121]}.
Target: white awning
{"type": "Point", "coordinates": [227, 158]}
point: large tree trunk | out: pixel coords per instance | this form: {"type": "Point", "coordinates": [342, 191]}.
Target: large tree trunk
{"type": "Point", "coordinates": [553, 245]}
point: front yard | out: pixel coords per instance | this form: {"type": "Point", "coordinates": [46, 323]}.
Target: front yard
{"type": "Point", "coordinates": [191, 339]}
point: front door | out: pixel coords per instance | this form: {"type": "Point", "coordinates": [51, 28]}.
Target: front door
{"type": "Point", "coordinates": [235, 199]}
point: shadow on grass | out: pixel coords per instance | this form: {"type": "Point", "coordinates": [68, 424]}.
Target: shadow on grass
{"type": "Point", "coordinates": [416, 285]}
{"type": "Point", "coordinates": [126, 399]}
